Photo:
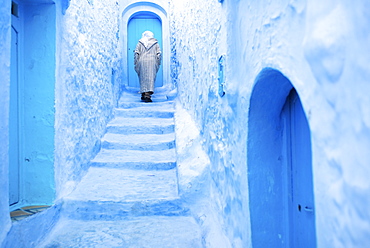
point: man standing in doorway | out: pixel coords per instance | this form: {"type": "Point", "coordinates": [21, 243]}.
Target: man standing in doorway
{"type": "Point", "coordinates": [147, 61]}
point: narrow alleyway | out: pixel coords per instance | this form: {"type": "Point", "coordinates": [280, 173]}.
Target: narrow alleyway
{"type": "Point", "coordinates": [129, 196]}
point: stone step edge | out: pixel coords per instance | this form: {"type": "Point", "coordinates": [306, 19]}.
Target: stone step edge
{"type": "Point", "coordinates": [146, 114]}
{"type": "Point", "coordinates": [135, 165]}
{"type": "Point", "coordinates": [113, 210]}
{"type": "Point", "coordinates": [157, 146]}
{"type": "Point", "coordinates": [156, 109]}
{"type": "Point", "coordinates": [144, 142]}
{"type": "Point", "coordinates": [146, 120]}
{"type": "Point", "coordinates": [140, 129]}
{"type": "Point", "coordinates": [130, 105]}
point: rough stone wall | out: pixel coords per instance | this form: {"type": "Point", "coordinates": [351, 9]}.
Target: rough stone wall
{"type": "Point", "coordinates": [336, 48]}
{"type": "Point", "coordinates": [87, 87]}
{"type": "Point", "coordinates": [198, 38]}
{"type": "Point", "coordinates": [322, 49]}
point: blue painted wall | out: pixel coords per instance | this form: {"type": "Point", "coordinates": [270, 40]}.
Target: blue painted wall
{"type": "Point", "coordinates": [4, 113]}
{"type": "Point", "coordinates": [266, 170]}
{"type": "Point", "coordinates": [321, 48]}
{"type": "Point", "coordinates": [37, 103]}
{"type": "Point", "coordinates": [71, 85]}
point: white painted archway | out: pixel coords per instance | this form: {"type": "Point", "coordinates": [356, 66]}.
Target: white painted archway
{"type": "Point", "coordinates": [130, 11]}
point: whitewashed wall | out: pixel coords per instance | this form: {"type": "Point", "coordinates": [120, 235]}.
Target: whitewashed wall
{"type": "Point", "coordinates": [322, 48]}
{"type": "Point", "coordinates": [86, 91]}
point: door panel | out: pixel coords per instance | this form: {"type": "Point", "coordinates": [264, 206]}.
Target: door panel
{"type": "Point", "coordinates": [136, 27]}
{"type": "Point", "coordinates": [304, 219]}
{"type": "Point", "coordinates": [14, 122]}
{"type": "Point", "coordinates": [300, 182]}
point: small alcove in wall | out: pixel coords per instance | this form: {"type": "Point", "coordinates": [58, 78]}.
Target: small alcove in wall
{"type": "Point", "coordinates": [280, 176]}
{"type": "Point", "coordinates": [137, 18]}
{"type": "Point", "coordinates": [31, 113]}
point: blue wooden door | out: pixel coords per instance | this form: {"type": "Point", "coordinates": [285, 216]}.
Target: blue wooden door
{"type": "Point", "coordinates": [300, 182]}
{"type": "Point", "coordinates": [14, 122]}
{"type": "Point", "coordinates": [136, 27]}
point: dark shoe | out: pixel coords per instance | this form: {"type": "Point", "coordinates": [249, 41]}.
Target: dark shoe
{"type": "Point", "coordinates": [145, 97]}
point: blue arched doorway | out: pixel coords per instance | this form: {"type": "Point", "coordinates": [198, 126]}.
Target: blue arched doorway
{"type": "Point", "coordinates": [279, 165]}
{"type": "Point", "coordinates": [139, 23]}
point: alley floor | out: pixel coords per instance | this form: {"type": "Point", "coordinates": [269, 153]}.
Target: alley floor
{"type": "Point", "coordinates": [129, 196]}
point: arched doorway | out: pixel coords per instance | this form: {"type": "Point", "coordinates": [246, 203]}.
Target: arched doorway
{"type": "Point", "coordinates": [139, 23]}
{"type": "Point", "coordinates": [279, 165]}
{"type": "Point", "coordinates": [153, 11]}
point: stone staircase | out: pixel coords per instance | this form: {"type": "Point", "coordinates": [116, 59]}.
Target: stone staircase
{"type": "Point", "coordinates": [129, 196]}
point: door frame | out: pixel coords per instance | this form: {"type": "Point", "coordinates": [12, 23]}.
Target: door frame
{"type": "Point", "coordinates": [15, 24]}
{"type": "Point", "coordinates": [268, 172]}
{"type": "Point", "coordinates": [298, 165]}
{"type": "Point", "coordinates": [35, 170]}
{"type": "Point", "coordinates": [130, 11]}
{"type": "Point", "coordinates": [130, 57]}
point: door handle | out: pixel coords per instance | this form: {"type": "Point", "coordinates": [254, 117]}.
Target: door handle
{"type": "Point", "coordinates": [308, 209]}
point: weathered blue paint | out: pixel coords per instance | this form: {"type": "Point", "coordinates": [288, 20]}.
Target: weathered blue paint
{"type": "Point", "coordinates": [141, 22]}
{"type": "Point", "coordinates": [14, 120]}
{"type": "Point", "coordinates": [266, 173]}
{"type": "Point", "coordinates": [65, 4]}
{"type": "Point", "coordinates": [322, 50]}
{"type": "Point", "coordinates": [279, 165]}
{"type": "Point", "coordinates": [40, 52]}
{"type": "Point", "coordinates": [221, 75]}
{"type": "Point", "coordinates": [297, 156]}
{"type": "Point", "coordinates": [36, 104]}
{"type": "Point", "coordinates": [5, 59]}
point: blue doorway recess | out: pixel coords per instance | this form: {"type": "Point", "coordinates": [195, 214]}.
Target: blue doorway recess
{"type": "Point", "coordinates": [14, 121]}
{"type": "Point", "coordinates": [137, 25]}
{"type": "Point", "coordinates": [297, 146]}
{"type": "Point", "coordinates": [32, 100]}
{"type": "Point", "coordinates": [280, 179]}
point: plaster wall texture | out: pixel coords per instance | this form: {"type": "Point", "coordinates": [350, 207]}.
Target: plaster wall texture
{"type": "Point", "coordinates": [4, 114]}
{"type": "Point", "coordinates": [198, 39]}
{"type": "Point", "coordinates": [36, 89]}
{"type": "Point", "coordinates": [32, 230]}
{"type": "Point", "coordinates": [322, 49]}
{"type": "Point", "coordinates": [87, 86]}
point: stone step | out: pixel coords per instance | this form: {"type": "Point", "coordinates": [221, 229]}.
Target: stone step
{"type": "Point", "coordinates": [117, 185]}
{"type": "Point", "coordinates": [123, 125]}
{"type": "Point", "coordinates": [133, 159]}
{"type": "Point", "coordinates": [139, 105]}
{"type": "Point", "coordinates": [143, 232]}
{"type": "Point", "coordinates": [134, 96]}
{"type": "Point", "coordinates": [108, 210]}
{"type": "Point", "coordinates": [160, 112]}
{"type": "Point", "coordinates": [107, 193]}
{"type": "Point", "coordinates": [143, 142]}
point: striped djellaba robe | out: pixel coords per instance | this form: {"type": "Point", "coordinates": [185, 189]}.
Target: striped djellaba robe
{"type": "Point", "coordinates": [147, 61]}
